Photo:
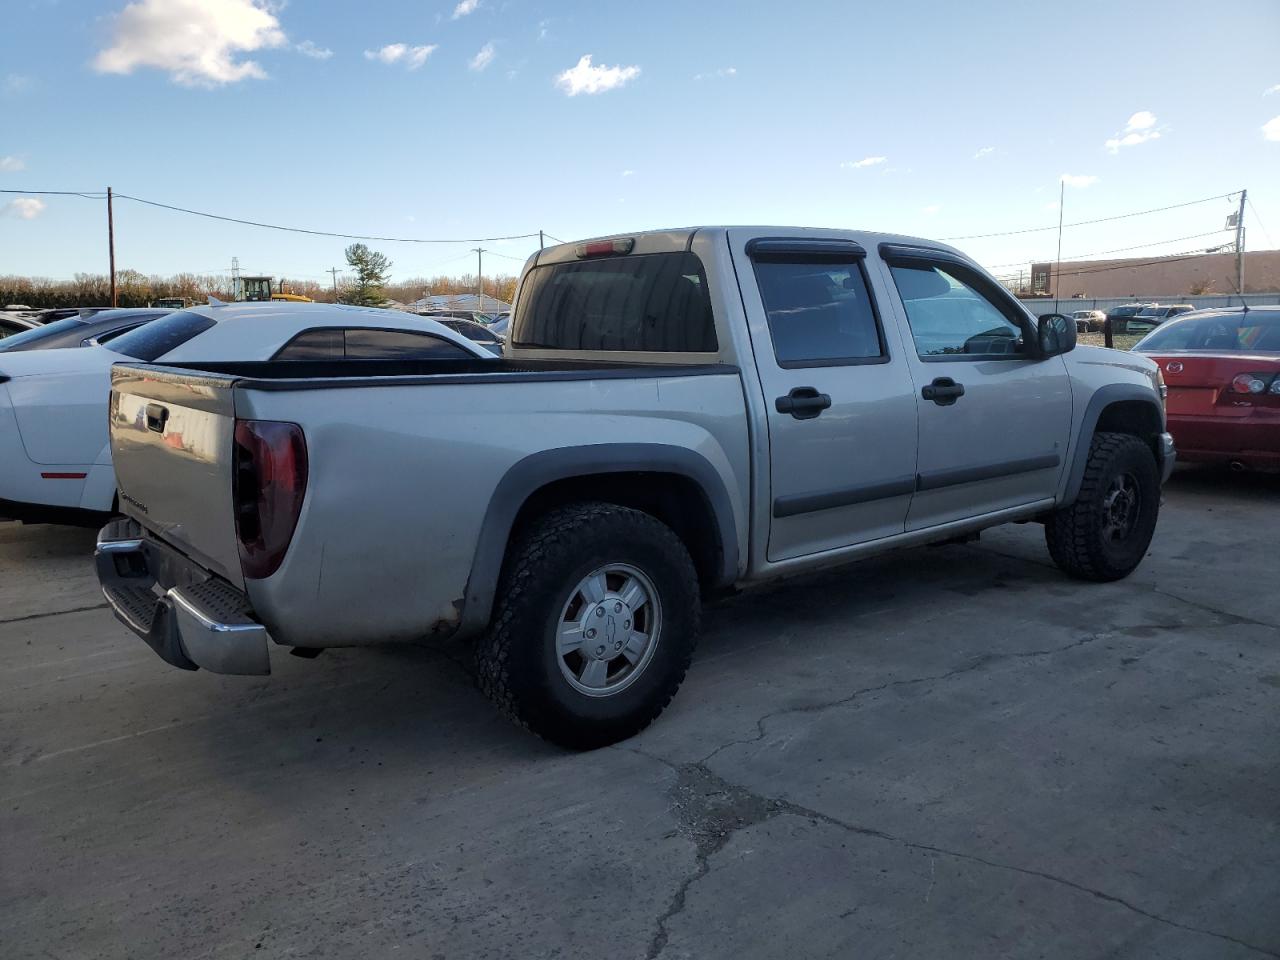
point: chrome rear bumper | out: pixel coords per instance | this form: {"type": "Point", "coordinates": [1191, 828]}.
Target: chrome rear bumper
{"type": "Point", "coordinates": [197, 620]}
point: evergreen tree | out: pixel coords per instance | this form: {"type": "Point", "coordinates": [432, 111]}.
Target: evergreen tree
{"type": "Point", "coordinates": [372, 272]}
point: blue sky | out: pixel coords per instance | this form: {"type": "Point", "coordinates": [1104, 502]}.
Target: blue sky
{"type": "Point", "coordinates": [477, 119]}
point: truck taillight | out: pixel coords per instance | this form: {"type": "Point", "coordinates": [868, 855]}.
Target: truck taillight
{"type": "Point", "coordinates": [269, 480]}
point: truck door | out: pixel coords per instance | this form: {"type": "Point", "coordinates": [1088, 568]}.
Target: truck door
{"type": "Point", "coordinates": [841, 406]}
{"type": "Point", "coordinates": [995, 419]}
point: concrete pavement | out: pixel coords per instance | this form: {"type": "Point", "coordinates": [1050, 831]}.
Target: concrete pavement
{"type": "Point", "coordinates": [947, 752]}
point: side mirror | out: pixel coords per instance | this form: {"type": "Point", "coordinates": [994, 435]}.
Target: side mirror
{"type": "Point", "coordinates": [1056, 334]}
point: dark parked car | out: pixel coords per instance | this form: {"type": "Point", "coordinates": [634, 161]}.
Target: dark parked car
{"type": "Point", "coordinates": [475, 332]}
{"type": "Point", "coordinates": [15, 324]}
{"type": "Point", "coordinates": [1119, 316]}
{"type": "Point", "coordinates": [1222, 370]}
{"type": "Point", "coordinates": [77, 331]}
{"type": "Point", "coordinates": [1151, 316]}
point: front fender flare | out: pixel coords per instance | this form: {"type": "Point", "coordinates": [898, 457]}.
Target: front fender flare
{"type": "Point", "coordinates": [1102, 398]}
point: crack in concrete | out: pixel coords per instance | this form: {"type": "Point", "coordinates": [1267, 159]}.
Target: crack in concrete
{"type": "Point", "coordinates": [51, 613]}
{"type": "Point", "coordinates": [979, 662]}
{"type": "Point", "coordinates": [1231, 618]}
{"type": "Point", "coordinates": [711, 810]}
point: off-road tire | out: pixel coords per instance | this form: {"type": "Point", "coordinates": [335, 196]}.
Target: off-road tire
{"type": "Point", "coordinates": [1076, 533]}
{"type": "Point", "coordinates": [516, 660]}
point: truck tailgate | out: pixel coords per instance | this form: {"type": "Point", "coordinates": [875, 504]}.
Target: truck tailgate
{"type": "Point", "coordinates": [171, 443]}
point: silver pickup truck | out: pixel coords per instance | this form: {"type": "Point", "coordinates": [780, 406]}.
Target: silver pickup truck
{"type": "Point", "coordinates": [677, 414]}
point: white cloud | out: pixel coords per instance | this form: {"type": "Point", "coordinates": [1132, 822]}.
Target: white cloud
{"type": "Point", "coordinates": [196, 41]}
{"type": "Point", "coordinates": [722, 72]}
{"type": "Point", "coordinates": [1270, 90]}
{"type": "Point", "coordinates": [864, 162]}
{"type": "Point", "coordinates": [14, 84]}
{"type": "Point", "coordinates": [1142, 120]}
{"type": "Point", "coordinates": [628, 173]}
{"type": "Point", "coordinates": [308, 48]}
{"type": "Point", "coordinates": [464, 7]}
{"type": "Point", "coordinates": [984, 152]}
{"type": "Point", "coordinates": [1140, 128]}
{"type": "Point", "coordinates": [411, 57]}
{"type": "Point", "coordinates": [24, 208]}
{"type": "Point", "coordinates": [11, 165]}
{"type": "Point", "coordinates": [1271, 129]}
{"type": "Point", "coordinates": [931, 209]}
{"type": "Point", "coordinates": [1080, 180]}
{"type": "Point", "coordinates": [587, 78]}
{"type": "Point", "coordinates": [544, 29]}
{"type": "Point", "coordinates": [483, 58]}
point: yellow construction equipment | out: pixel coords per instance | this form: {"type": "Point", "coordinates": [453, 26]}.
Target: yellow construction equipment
{"type": "Point", "coordinates": [256, 289]}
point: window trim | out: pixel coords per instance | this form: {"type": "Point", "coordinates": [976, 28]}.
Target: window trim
{"type": "Point", "coordinates": [902, 255]}
{"type": "Point", "coordinates": [817, 251]}
{"type": "Point", "coordinates": [465, 353]}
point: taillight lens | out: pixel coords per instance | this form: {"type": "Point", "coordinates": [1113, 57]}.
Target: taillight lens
{"type": "Point", "coordinates": [269, 480]}
{"type": "Point", "coordinates": [1250, 383]}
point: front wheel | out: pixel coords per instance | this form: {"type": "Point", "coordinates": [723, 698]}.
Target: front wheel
{"type": "Point", "coordinates": [1105, 533]}
{"type": "Point", "coordinates": [594, 625]}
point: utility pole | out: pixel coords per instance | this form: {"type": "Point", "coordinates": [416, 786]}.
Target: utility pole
{"type": "Point", "coordinates": [235, 278]}
{"type": "Point", "coordinates": [111, 246]}
{"type": "Point", "coordinates": [541, 244]}
{"type": "Point", "coordinates": [334, 271]}
{"type": "Point", "coordinates": [1057, 268]}
{"type": "Point", "coordinates": [1240, 247]}
{"type": "Point", "coordinates": [480, 252]}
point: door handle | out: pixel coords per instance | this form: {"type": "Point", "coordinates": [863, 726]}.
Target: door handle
{"type": "Point", "coordinates": [943, 391]}
{"type": "Point", "coordinates": [157, 416]}
{"type": "Point", "coordinates": [803, 403]}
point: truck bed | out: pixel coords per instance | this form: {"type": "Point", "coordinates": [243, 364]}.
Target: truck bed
{"type": "Point", "coordinates": [317, 374]}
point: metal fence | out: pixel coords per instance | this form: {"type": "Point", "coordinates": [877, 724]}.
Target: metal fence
{"type": "Point", "coordinates": [1041, 305]}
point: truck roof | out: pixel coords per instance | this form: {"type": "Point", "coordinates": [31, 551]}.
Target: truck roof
{"type": "Point", "coordinates": [676, 238]}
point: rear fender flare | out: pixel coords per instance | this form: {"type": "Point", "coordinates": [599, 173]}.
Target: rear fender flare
{"type": "Point", "coordinates": [535, 471]}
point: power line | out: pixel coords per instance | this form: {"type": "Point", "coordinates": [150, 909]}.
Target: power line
{"type": "Point", "coordinates": [1258, 217]}
{"type": "Point", "coordinates": [1085, 223]}
{"type": "Point", "coordinates": [88, 195]}
{"type": "Point", "coordinates": [1102, 253]}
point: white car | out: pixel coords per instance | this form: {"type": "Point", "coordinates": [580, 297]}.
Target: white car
{"type": "Point", "coordinates": [55, 463]}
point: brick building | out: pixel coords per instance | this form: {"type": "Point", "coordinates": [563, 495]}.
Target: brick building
{"type": "Point", "coordinates": [1164, 278]}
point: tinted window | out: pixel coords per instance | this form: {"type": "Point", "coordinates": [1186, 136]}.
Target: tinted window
{"type": "Point", "coordinates": [650, 302]}
{"type": "Point", "coordinates": [1252, 332]}
{"type": "Point", "coordinates": [153, 340]}
{"type": "Point", "coordinates": [114, 334]}
{"type": "Point", "coordinates": [818, 311]}
{"type": "Point", "coordinates": [400, 345]}
{"type": "Point", "coordinates": [40, 333]}
{"type": "Point", "coordinates": [313, 345]}
{"type": "Point", "coordinates": [471, 330]}
{"type": "Point", "coordinates": [950, 317]}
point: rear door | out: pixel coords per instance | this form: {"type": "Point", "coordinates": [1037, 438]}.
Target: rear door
{"type": "Point", "coordinates": [171, 442]}
{"type": "Point", "coordinates": [841, 409]}
{"type": "Point", "coordinates": [994, 419]}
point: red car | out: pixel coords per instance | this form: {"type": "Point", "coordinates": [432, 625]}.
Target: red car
{"type": "Point", "coordinates": [1222, 368]}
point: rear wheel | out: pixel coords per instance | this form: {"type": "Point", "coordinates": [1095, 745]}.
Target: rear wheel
{"type": "Point", "coordinates": [594, 625]}
{"type": "Point", "coordinates": [1105, 533]}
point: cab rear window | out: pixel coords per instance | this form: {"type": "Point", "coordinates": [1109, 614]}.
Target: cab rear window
{"type": "Point", "coordinates": [151, 341]}
{"type": "Point", "coordinates": [654, 303]}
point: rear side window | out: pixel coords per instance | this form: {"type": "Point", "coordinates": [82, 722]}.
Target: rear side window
{"type": "Point", "coordinates": [819, 312]}
{"type": "Point", "coordinates": [650, 303]}
{"type": "Point", "coordinates": [1251, 332]}
{"type": "Point", "coordinates": [313, 345]}
{"type": "Point", "coordinates": [400, 345]}
{"type": "Point", "coordinates": [151, 341]}
{"type": "Point", "coordinates": [361, 343]}
{"type": "Point", "coordinates": [40, 333]}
